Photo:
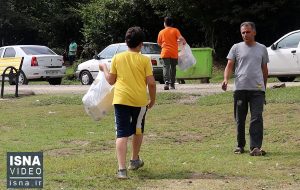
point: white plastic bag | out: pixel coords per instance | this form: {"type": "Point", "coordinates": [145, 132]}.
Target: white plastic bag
{"type": "Point", "coordinates": [98, 99]}
{"type": "Point", "coordinates": [186, 58]}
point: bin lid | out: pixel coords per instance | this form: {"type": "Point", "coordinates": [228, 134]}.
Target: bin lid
{"type": "Point", "coordinates": [206, 48]}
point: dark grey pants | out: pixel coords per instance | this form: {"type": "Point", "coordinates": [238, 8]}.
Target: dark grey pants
{"type": "Point", "coordinates": [256, 100]}
{"type": "Point", "coordinates": [169, 70]}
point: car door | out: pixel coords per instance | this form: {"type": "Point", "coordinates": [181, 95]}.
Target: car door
{"type": "Point", "coordinates": [285, 55]}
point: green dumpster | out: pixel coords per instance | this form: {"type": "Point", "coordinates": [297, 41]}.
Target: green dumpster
{"type": "Point", "coordinates": [201, 70]}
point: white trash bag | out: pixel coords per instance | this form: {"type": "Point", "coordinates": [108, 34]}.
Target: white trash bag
{"type": "Point", "coordinates": [98, 99]}
{"type": "Point", "coordinates": [186, 58]}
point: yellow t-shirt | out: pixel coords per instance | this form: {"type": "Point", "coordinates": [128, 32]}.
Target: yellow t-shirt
{"type": "Point", "coordinates": [131, 69]}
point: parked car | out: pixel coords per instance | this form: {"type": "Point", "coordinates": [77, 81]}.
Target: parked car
{"type": "Point", "coordinates": [87, 71]}
{"type": "Point", "coordinates": [284, 57]}
{"type": "Point", "coordinates": [40, 63]}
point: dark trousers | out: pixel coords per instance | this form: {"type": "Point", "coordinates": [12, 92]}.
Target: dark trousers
{"type": "Point", "coordinates": [169, 70]}
{"type": "Point", "coordinates": [71, 59]}
{"type": "Point", "coordinates": [256, 100]}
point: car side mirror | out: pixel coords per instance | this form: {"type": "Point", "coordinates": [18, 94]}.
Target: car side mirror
{"type": "Point", "coordinates": [273, 47]}
{"type": "Point", "coordinates": [96, 57]}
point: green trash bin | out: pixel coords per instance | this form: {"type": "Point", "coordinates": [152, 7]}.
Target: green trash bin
{"type": "Point", "coordinates": [201, 70]}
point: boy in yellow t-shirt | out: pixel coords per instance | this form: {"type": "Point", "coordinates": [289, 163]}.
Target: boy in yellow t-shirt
{"type": "Point", "coordinates": [131, 73]}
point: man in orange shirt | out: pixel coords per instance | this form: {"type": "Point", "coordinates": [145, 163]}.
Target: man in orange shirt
{"type": "Point", "coordinates": [168, 39]}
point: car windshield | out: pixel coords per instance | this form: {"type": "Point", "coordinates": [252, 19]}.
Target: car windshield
{"type": "Point", "coordinates": [146, 48]}
{"type": "Point", "coordinates": [37, 51]}
{"type": "Point", "coordinates": [151, 49]}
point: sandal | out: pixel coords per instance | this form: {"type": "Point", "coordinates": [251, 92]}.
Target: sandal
{"type": "Point", "coordinates": [239, 150]}
{"type": "Point", "coordinates": [257, 152]}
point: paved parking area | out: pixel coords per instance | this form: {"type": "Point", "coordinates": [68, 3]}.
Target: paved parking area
{"type": "Point", "coordinates": [201, 89]}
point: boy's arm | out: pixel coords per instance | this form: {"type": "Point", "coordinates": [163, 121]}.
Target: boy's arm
{"type": "Point", "coordinates": [159, 42]}
{"type": "Point", "coordinates": [110, 78]}
{"type": "Point", "coordinates": [152, 90]}
{"type": "Point", "coordinates": [182, 40]}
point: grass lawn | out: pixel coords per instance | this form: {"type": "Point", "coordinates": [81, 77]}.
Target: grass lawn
{"type": "Point", "coordinates": [187, 144]}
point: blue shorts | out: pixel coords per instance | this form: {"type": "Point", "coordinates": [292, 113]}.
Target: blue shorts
{"type": "Point", "coordinates": [129, 120]}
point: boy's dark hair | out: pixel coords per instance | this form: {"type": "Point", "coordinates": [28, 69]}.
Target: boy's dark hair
{"type": "Point", "coordinates": [168, 21]}
{"type": "Point", "coordinates": [134, 36]}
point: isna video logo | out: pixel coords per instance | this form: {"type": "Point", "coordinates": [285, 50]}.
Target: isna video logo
{"type": "Point", "coordinates": [24, 169]}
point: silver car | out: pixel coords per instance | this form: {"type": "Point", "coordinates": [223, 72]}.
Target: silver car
{"type": "Point", "coordinates": [40, 63]}
{"type": "Point", "coordinates": [87, 71]}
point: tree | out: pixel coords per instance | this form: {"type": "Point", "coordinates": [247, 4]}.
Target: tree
{"type": "Point", "coordinates": [204, 23]}
{"type": "Point", "coordinates": [218, 21]}
{"type": "Point", "coordinates": [106, 21]}
{"type": "Point", "coordinates": [48, 22]}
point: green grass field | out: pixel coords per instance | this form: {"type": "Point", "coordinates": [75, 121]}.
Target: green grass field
{"type": "Point", "coordinates": [187, 144]}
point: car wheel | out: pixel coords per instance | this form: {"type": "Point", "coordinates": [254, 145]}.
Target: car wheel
{"type": "Point", "coordinates": [55, 81]}
{"type": "Point", "coordinates": [22, 79]}
{"type": "Point", "coordinates": [86, 78]}
{"type": "Point", "coordinates": [181, 81]}
{"type": "Point", "coordinates": [286, 79]}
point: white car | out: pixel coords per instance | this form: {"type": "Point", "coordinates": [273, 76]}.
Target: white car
{"type": "Point", "coordinates": [87, 71]}
{"type": "Point", "coordinates": [284, 57]}
{"type": "Point", "coordinates": [40, 63]}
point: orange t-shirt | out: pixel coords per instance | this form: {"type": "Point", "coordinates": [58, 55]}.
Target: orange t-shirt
{"type": "Point", "coordinates": [167, 38]}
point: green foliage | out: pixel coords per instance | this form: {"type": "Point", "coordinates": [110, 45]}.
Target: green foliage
{"type": "Point", "coordinates": [70, 73]}
{"type": "Point", "coordinates": [107, 21]}
{"type": "Point", "coordinates": [202, 23]}
{"type": "Point", "coordinates": [97, 23]}
{"type": "Point", "coordinates": [39, 22]}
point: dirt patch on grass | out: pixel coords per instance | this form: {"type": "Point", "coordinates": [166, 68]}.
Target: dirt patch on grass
{"type": "Point", "coordinates": [80, 147]}
{"type": "Point", "coordinates": [186, 137]}
{"type": "Point", "coordinates": [183, 137]}
{"type": "Point", "coordinates": [4, 128]}
{"type": "Point", "coordinates": [77, 142]}
{"type": "Point", "coordinates": [191, 99]}
{"type": "Point", "coordinates": [206, 176]}
{"type": "Point", "coordinates": [61, 152]}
